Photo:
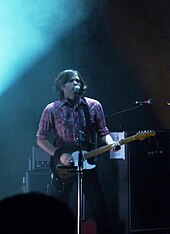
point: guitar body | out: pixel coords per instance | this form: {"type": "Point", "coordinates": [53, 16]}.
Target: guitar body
{"type": "Point", "coordinates": [86, 165]}
{"type": "Point", "coordinates": [67, 173]}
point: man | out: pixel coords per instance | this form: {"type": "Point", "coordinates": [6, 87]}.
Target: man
{"type": "Point", "coordinates": [68, 118]}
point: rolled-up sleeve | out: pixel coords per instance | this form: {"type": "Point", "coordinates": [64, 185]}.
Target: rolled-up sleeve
{"type": "Point", "coordinates": [45, 123]}
{"type": "Point", "coordinates": [99, 119]}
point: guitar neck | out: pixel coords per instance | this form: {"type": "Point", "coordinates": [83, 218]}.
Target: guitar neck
{"type": "Point", "coordinates": [98, 151]}
{"type": "Point", "coordinates": [103, 149]}
{"type": "Point", "coordinates": [106, 148]}
{"type": "Point", "coordinates": [127, 140]}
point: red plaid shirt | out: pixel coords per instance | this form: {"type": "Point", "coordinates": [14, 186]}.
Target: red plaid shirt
{"type": "Point", "coordinates": [63, 119]}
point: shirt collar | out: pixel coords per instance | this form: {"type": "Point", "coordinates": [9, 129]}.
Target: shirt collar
{"type": "Point", "coordinates": [64, 101]}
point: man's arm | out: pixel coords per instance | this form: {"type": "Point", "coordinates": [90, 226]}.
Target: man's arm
{"type": "Point", "coordinates": [109, 141]}
{"type": "Point", "coordinates": [46, 146]}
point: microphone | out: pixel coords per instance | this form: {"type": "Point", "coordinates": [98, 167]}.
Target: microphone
{"type": "Point", "coordinates": [77, 89]}
{"type": "Point", "coordinates": [149, 101]}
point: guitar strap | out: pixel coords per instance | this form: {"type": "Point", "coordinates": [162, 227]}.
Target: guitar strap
{"type": "Point", "coordinates": [91, 132]}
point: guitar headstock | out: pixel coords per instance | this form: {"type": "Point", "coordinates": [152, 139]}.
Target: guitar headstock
{"type": "Point", "coordinates": [141, 135]}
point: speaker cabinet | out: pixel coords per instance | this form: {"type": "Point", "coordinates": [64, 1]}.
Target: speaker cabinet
{"type": "Point", "coordinates": [149, 184]}
{"type": "Point", "coordinates": [37, 181]}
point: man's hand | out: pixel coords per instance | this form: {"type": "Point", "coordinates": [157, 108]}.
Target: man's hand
{"type": "Point", "coordinates": [109, 141]}
{"type": "Point", "coordinates": [66, 159]}
{"type": "Point", "coordinates": [116, 146]}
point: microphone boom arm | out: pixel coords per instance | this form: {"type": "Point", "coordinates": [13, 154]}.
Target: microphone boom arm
{"type": "Point", "coordinates": [120, 112]}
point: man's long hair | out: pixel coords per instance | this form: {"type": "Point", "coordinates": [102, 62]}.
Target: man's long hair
{"type": "Point", "coordinates": [64, 77]}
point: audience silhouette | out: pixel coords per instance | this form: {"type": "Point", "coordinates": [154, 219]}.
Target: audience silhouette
{"type": "Point", "coordinates": [36, 213]}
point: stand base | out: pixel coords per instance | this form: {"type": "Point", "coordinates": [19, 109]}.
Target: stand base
{"type": "Point", "coordinates": [89, 227]}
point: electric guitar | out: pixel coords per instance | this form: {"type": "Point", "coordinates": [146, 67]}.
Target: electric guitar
{"type": "Point", "coordinates": [66, 173]}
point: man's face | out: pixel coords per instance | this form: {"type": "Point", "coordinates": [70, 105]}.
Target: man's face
{"type": "Point", "coordinates": [68, 88]}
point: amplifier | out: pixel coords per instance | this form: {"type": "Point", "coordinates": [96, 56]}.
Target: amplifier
{"type": "Point", "coordinates": [39, 159]}
{"type": "Point", "coordinates": [38, 181]}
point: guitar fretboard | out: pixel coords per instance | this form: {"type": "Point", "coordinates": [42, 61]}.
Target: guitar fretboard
{"type": "Point", "coordinates": [103, 149]}
{"type": "Point", "coordinates": [100, 150]}
{"type": "Point", "coordinates": [127, 140]}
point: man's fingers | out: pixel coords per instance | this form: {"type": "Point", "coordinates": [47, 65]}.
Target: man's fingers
{"type": "Point", "coordinates": [117, 147]}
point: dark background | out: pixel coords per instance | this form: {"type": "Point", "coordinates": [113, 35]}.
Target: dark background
{"type": "Point", "coordinates": [122, 50]}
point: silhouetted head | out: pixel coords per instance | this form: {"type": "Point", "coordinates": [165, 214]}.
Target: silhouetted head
{"type": "Point", "coordinates": [36, 213]}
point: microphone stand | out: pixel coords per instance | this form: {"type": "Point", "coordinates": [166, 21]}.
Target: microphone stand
{"type": "Point", "coordinates": [79, 170]}
{"type": "Point", "coordinates": [120, 112]}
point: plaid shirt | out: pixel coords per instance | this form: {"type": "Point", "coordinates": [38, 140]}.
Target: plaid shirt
{"type": "Point", "coordinates": [65, 122]}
